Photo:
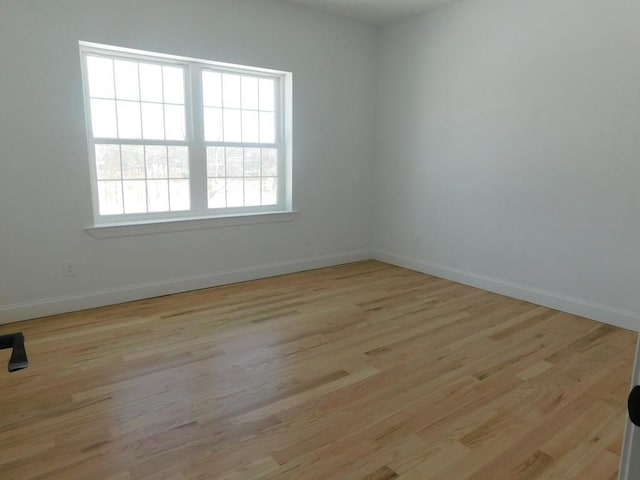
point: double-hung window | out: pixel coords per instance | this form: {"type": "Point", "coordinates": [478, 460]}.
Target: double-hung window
{"type": "Point", "coordinates": [173, 138]}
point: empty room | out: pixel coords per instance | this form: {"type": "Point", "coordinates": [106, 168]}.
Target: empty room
{"type": "Point", "coordinates": [319, 239]}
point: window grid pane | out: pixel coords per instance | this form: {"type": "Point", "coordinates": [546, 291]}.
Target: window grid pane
{"type": "Point", "coordinates": [136, 100]}
{"type": "Point", "coordinates": [238, 108]}
{"type": "Point", "coordinates": [241, 177]}
{"type": "Point", "coordinates": [142, 178]}
{"type": "Point", "coordinates": [145, 104]}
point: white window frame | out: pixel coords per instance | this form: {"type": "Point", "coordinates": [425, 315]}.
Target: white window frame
{"type": "Point", "coordinates": [195, 141]}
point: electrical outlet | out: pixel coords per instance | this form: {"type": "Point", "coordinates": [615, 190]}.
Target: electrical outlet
{"type": "Point", "coordinates": [69, 268]}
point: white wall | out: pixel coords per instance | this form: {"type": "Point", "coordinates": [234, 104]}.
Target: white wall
{"type": "Point", "coordinates": [508, 140]}
{"type": "Point", "coordinates": [508, 147]}
{"type": "Point", "coordinates": [44, 176]}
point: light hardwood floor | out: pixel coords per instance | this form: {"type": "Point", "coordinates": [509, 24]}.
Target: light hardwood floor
{"type": "Point", "coordinates": [362, 371]}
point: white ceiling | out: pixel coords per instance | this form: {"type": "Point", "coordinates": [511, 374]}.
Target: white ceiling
{"type": "Point", "coordinates": [374, 12]}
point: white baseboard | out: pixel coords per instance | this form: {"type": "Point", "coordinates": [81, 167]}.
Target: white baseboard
{"type": "Point", "coordinates": [52, 306]}
{"type": "Point", "coordinates": [81, 301]}
{"type": "Point", "coordinates": [574, 306]}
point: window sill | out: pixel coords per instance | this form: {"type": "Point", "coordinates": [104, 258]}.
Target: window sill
{"type": "Point", "coordinates": [184, 224]}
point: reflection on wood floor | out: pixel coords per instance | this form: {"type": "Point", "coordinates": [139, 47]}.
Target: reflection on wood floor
{"type": "Point", "coordinates": [361, 371]}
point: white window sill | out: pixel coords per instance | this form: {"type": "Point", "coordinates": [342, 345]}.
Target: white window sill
{"type": "Point", "coordinates": [184, 224]}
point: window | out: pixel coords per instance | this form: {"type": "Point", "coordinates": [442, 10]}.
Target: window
{"type": "Point", "coordinates": [173, 137]}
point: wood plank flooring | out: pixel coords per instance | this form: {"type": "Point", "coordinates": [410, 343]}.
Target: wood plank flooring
{"type": "Point", "coordinates": [362, 371]}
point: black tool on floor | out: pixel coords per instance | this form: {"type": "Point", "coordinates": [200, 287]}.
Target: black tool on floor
{"type": "Point", "coordinates": [634, 405]}
{"type": "Point", "coordinates": [18, 360]}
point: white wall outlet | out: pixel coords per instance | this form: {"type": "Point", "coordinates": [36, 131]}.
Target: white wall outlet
{"type": "Point", "coordinates": [69, 268]}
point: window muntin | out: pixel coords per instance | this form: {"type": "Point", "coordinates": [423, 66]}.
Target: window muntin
{"type": "Point", "coordinates": [238, 177]}
{"type": "Point", "coordinates": [240, 109]}
{"type": "Point", "coordinates": [182, 138]}
{"type": "Point", "coordinates": [136, 100]}
{"type": "Point", "coordinates": [141, 178]}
